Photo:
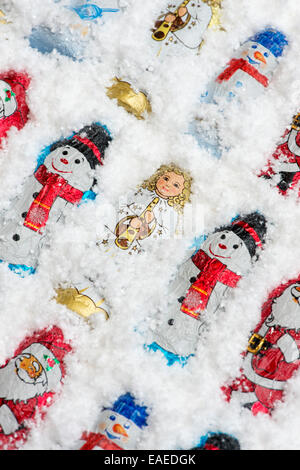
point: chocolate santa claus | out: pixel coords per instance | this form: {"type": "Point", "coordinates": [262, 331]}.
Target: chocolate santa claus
{"type": "Point", "coordinates": [273, 354]}
{"type": "Point", "coordinates": [203, 281]}
{"type": "Point", "coordinates": [248, 73]}
{"type": "Point", "coordinates": [283, 169]}
{"type": "Point", "coordinates": [28, 382]}
{"type": "Point", "coordinates": [61, 180]}
{"type": "Point", "coordinates": [13, 107]}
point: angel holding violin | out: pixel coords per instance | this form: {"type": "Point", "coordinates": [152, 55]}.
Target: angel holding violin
{"type": "Point", "coordinates": [184, 25]}
{"type": "Point", "coordinates": [153, 210]}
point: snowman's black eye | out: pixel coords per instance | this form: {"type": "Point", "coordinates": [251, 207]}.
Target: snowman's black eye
{"type": "Point", "coordinates": [223, 237]}
{"type": "Point", "coordinates": [235, 247]}
{"type": "Point", "coordinates": [77, 161]}
{"type": "Point", "coordinates": [65, 152]}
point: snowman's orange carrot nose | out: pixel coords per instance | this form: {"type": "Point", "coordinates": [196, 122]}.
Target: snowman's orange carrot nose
{"type": "Point", "coordinates": [258, 55]}
{"type": "Point", "coordinates": [119, 430]}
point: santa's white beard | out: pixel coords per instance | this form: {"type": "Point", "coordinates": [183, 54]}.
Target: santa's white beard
{"type": "Point", "coordinates": [13, 388]}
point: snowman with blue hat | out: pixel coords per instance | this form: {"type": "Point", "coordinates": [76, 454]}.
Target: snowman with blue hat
{"type": "Point", "coordinates": [249, 73]}
{"type": "Point", "coordinates": [253, 65]}
{"type": "Point", "coordinates": [119, 427]}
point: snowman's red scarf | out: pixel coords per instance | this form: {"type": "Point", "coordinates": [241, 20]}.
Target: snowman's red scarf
{"type": "Point", "coordinates": [212, 271]}
{"type": "Point", "coordinates": [54, 186]}
{"type": "Point", "coordinates": [242, 64]}
{"type": "Point", "coordinates": [98, 440]}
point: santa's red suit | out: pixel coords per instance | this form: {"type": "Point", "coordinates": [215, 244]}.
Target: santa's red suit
{"type": "Point", "coordinates": [266, 369]}
{"type": "Point", "coordinates": [21, 410]}
{"type": "Point", "coordinates": [284, 155]}
{"type": "Point", "coordinates": [19, 83]}
{"type": "Point", "coordinates": [271, 365]}
{"type": "Point", "coordinates": [211, 272]}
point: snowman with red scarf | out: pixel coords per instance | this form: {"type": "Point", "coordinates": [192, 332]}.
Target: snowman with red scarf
{"type": "Point", "coordinates": [61, 181]}
{"type": "Point", "coordinates": [248, 73]}
{"type": "Point", "coordinates": [205, 280]}
{"type": "Point", "coordinates": [252, 67]}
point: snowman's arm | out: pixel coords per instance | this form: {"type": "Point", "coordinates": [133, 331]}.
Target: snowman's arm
{"type": "Point", "coordinates": [288, 347]}
{"type": "Point", "coordinates": [218, 294]}
{"type": "Point", "coordinates": [8, 421]}
{"type": "Point", "coordinates": [60, 209]}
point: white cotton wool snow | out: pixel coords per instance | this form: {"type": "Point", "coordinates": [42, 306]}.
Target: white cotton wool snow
{"type": "Point", "coordinates": [68, 92]}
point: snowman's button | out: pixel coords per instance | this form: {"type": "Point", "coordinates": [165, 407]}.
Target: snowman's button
{"type": "Point", "coordinates": [35, 195]}
{"type": "Point", "coordinates": [24, 214]}
{"type": "Point", "coordinates": [193, 279]}
{"type": "Point", "coordinates": [171, 321]}
{"type": "Point", "coordinates": [16, 237]}
{"type": "Point", "coordinates": [181, 299]}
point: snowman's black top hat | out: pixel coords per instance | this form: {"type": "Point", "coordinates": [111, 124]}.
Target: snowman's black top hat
{"type": "Point", "coordinates": [91, 141]}
{"type": "Point", "coordinates": [251, 229]}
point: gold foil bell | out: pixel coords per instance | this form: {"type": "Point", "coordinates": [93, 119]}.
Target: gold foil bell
{"type": "Point", "coordinates": [79, 303]}
{"type": "Point", "coordinates": [134, 103]}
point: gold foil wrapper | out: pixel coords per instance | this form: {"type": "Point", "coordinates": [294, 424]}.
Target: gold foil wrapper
{"type": "Point", "coordinates": [216, 6]}
{"type": "Point", "coordinates": [134, 103]}
{"type": "Point", "coordinates": [3, 19]}
{"type": "Point", "coordinates": [79, 303]}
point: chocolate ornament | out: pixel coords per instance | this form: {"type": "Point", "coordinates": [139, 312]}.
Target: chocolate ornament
{"type": "Point", "coordinates": [14, 110]}
{"type": "Point", "coordinates": [283, 169]}
{"type": "Point", "coordinates": [28, 383]}
{"type": "Point", "coordinates": [203, 282]}
{"type": "Point", "coordinates": [64, 176]}
{"type": "Point", "coordinates": [81, 301]}
{"type": "Point", "coordinates": [119, 427]}
{"type": "Point", "coordinates": [273, 355]}
{"type": "Point", "coordinates": [135, 103]}
{"type": "Point", "coordinates": [180, 28]}
{"type": "Point", "coordinates": [248, 73]}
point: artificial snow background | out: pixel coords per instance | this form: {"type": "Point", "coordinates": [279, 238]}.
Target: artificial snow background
{"type": "Point", "coordinates": [109, 359]}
